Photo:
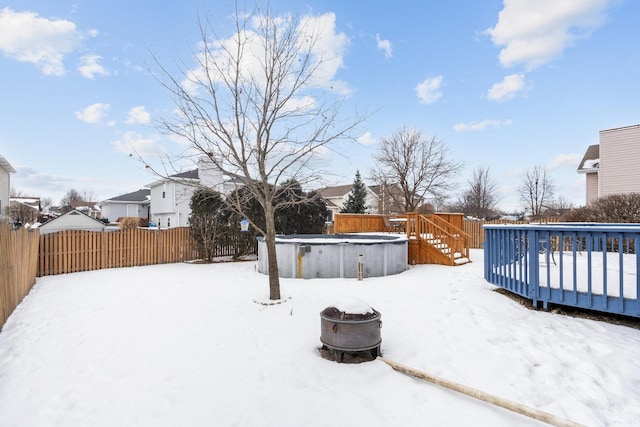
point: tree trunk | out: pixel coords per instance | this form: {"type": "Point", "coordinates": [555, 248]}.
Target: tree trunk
{"type": "Point", "coordinates": [270, 240]}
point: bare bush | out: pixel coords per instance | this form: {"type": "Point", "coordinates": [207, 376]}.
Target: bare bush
{"type": "Point", "coordinates": [129, 222]}
{"type": "Point", "coordinates": [617, 208]}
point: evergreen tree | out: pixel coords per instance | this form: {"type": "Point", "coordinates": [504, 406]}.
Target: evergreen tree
{"type": "Point", "coordinates": [302, 213]}
{"type": "Point", "coordinates": [356, 202]}
{"type": "Point", "coordinates": [252, 211]}
{"type": "Point", "coordinates": [207, 221]}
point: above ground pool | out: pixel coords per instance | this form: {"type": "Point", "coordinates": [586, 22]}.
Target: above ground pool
{"type": "Point", "coordinates": [310, 256]}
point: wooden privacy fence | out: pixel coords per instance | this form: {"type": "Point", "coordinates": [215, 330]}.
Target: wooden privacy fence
{"type": "Point", "coordinates": [73, 251]}
{"type": "Point", "coordinates": [366, 223]}
{"type": "Point", "coordinates": [357, 223]}
{"type": "Point", "coordinates": [18, 266]}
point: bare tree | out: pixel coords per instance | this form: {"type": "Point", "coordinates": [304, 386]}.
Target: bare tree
{"type": "Point", "coordinates": [561, 205]}
{"type": "Point", "coordinates": [481, 195]}
{"type": "Point", "coordinates": [418, 166]}
{"type": "Point", "coordinates": [258, 109]}
{"type": "Point", "coordinates": [46, 202]}
{"type": "Point", "coordinates": [536, 190]}
{"type": "Point", "coordinates": [74, 199]}
{"type": "Point", "coordinates": [71, 199]}
{"type": "Point", "coordinates": [21, 213]}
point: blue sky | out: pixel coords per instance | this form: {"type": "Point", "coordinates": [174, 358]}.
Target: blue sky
{"type": "Point", "coordinates": [504, 84]}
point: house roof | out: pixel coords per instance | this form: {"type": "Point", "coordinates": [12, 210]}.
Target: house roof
{"type": "Point", "coordinates": [192, 174]}
{"type": "Point", "coordinates": [338, 191]}
{"type": "Point", "coordinates": [86, 219]}
{"type": "Point", "coordinates": [591, 160]}
{"type": "Point", "coordinates": [331, 204]}
{"type": "Point", "coordinates": [6, 165]}
{"type": "Point", "coordinates": [140, 196]}
{"type": "Point", "coordinates": [32, 202]}
{"type": "Point", "coordinates": [188, 175]}
{"type": "Point", "coordinates": [82, 205]}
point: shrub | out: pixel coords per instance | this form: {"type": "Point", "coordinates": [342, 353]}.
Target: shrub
{"type": "Point", "coordinates": [617, 208]}
{"type": "Point", "coordinates": [129, 222]}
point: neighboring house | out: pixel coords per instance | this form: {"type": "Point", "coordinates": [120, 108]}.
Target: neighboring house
{"type": "Point", "coordinates": [5, 185]}
{"type": "Point", "coordinates": [338, 195]}
{"type": "Point", "coordinates": [611, 167]}
{"type": "Point", "coordinates": [134, 204]}
{"type": "Point", "coordinates": [170, 197]}
{"type": "Point", "coordinates": [390, 198]}
{"type": "Point", "coordinates": [25, 209]}
{"type": "Point", "coordinates": [72, 220]}
{"type": "Point", "coordinates": [90, 209]}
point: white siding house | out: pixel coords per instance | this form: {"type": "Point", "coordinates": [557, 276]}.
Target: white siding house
{"type": "Point", "coordinates": [72, 220]}
{"type": "Point", "coordinates": [5, 185]}
{"type": "Point", "coordinates": [613, 166]}
{"type": "Point", "coordinates": [335, 197]}
{"type": "Point", "coordinates": [170, 197]}
{"type": "Point", "coordinates": [134, 204]}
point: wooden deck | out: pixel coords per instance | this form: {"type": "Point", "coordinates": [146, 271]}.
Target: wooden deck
{"type": "Point", "coordinates": [433, 239]}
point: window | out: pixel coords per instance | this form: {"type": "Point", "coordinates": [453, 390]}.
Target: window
{"type": "Point", "coordinates": [163, 194]}
{"type": "Point", "coordinates": [168, 222]}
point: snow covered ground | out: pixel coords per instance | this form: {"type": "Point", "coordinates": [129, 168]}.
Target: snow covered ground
{"type": "Point", "coordinates": [187, 345]}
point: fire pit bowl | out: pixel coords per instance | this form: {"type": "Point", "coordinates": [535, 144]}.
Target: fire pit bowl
{"type": "Point", "coordinates": [342, 332]}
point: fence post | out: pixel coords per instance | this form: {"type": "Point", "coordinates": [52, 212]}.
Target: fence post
{"type": "Point", "coordinates": [534, 268]}
{"type": "Point", "coordinates": [487, 255]}
{"type": "Point", "coordinates": [103, 250]}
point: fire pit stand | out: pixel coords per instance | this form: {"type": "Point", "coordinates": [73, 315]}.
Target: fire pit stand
{"type": "Point", "coordinates": [342, 332]}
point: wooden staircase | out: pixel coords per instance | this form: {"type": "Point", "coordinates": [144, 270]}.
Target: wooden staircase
{"type": "Point", "coordinates": [432, 240]}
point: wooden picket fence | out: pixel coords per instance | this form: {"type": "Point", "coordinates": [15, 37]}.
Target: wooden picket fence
{"type": "Point", "coordinates": [75, 250]}
{"type": "Point", "coordinates": [18, 267]}
{"type": "Point", "coordinates": [474, 228]}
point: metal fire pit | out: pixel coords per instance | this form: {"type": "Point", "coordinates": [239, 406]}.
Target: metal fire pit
{"type": "Point", "coordinates": [343, 332]}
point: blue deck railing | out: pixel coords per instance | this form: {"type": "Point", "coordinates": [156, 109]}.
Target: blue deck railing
{"type": "Point", "coordinates": [590, 266]}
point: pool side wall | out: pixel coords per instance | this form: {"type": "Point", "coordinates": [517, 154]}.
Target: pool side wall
{"type": "Point", "coordinates": [335, 260]}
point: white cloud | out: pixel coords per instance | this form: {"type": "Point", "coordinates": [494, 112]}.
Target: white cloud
{"type": "Point", "coordinates": [329, 49]}
{"type": "Point", "coordinates": [481, 126]}
{"type": "Point", "coordinates": [429, 90]}
{"type": "Point", "coordinates": [26, 37]}
{"type": "Point", "coordinates": [508, 88]}
{"type": "Point", "coordinates": [533, 32]}
{"type": "Point", "coordinates": [132, 143]}
{"type": "Point", "coordinates": [565, 161]}
{"type": "Point", "coordinates": [304, 103]}
{"type": "Point", "coordinates": [385, 46]}
{"type": "Point", "coordinates": [90, 67]}
{"type": "Point", "coordinates": [321, 152]}
{"type": "Point", "coordinates": [138, 115]}
{"type": "Point", "coordinates": [367, 139]}
{"type": "Point", "coordinates": [94, 113]}
{"type": "Point", "coordinates": [327, 52]}
{"type": "Point", "coordinates": [38, 183]}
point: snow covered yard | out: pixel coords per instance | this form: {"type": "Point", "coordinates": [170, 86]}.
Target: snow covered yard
{"type": "Point", "coordinates": [187, 345]}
